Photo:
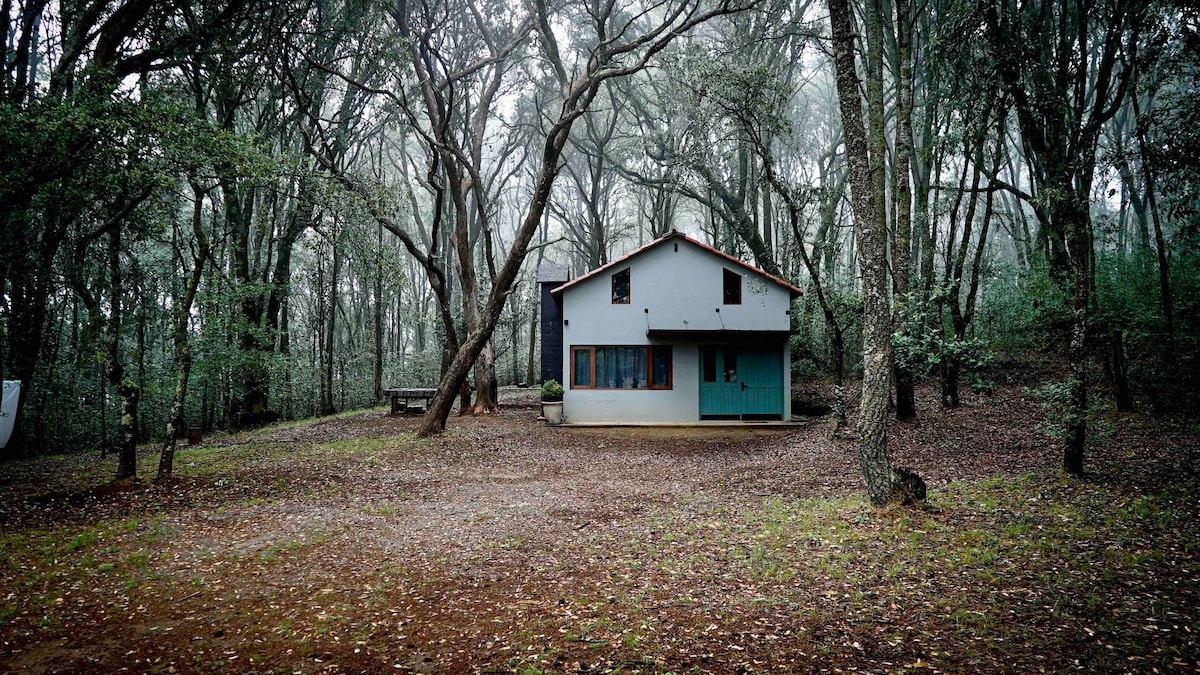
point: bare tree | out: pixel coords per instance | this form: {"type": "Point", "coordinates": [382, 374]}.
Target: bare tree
{"type": "Point", "coordinates": [588, 209]}
{"type": "Point", "coordinates": [622, 47]}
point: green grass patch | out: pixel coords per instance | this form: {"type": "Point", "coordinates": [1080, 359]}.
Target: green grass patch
{"type": "Point", "coordinates": [355, 446]}
{"type": "Point", "coordinates": [81, 541]}
{"type": "Point", "coordinates": [978, 569]}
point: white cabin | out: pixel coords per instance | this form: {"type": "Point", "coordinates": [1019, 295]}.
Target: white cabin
{"type": "Point", "coordinates": [674, 332]}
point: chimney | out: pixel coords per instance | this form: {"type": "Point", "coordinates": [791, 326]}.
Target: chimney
{"type": "Point", "coordinates": [551, 276]}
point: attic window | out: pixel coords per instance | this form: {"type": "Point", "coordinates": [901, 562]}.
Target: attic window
{"type": "Point", "coordinates": [620, 287]}
{"type": "Point", "coordinates": [733, 288]}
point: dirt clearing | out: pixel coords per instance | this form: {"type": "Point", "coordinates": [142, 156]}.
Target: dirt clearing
{"type": "Point", "coordinates": [348, 545]}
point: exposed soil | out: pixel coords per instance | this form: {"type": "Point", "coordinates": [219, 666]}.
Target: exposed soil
{"type": "Point", "coordinates": [348, 545]}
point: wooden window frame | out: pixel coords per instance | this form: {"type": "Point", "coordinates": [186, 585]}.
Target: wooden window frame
{"type": "Point", "coordinates": [629, 289]}
{"type": "Point", "coordinates": [726, 274]}
{"type": "Point", "coordinates": [591, 349]}
{"type": "Point", "coordinates": [591, 367]}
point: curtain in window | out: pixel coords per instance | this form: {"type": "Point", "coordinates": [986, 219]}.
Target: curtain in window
{"type": "Point", "coordinates": [621, 368]}
{"type": "Point", "coordinates": [660, 358]}
{"type": "Point", "coordinates": [583, 368]}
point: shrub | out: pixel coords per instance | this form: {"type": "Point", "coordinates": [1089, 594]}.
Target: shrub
{"type": "Point", "coordinates": [923, 351]}
{"type": "Point", "coordinates": [1061, 415]}
{"type": "Point", "coordinates": [552, 391]}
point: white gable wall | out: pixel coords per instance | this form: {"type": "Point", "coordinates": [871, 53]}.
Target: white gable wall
{"type": "Point", "coordinates": [681, 286]}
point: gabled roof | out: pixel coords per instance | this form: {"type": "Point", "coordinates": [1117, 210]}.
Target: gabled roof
{"type": "Point", "coordinates": [674, 235]}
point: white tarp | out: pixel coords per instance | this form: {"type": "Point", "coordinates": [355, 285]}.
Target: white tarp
{"type": "Point", "coordinates": [8, 409]}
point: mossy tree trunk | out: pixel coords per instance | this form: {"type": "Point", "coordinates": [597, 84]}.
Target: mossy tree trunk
{"type": "Point", "coordinates": [866, 177]}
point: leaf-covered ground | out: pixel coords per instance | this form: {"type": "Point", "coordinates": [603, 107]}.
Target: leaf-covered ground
{"type": "Point", "coordinates": [348, 545]}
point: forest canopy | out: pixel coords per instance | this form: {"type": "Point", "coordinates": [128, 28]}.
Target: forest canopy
{"type": "Point", "coordinates": [222, 213]}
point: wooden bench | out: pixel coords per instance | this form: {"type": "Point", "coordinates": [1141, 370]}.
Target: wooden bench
{"type": "Point", "coordinates": [407, 395]}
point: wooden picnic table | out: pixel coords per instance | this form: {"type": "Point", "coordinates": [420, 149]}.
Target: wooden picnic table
{"type": "Point", "coordinates": [408, 395]}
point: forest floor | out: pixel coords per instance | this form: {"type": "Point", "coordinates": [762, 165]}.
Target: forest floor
{"type": "Point", "coordinates": [349, 545]}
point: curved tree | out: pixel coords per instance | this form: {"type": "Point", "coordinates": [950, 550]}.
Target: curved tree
{"type": "Point", "coordinates": [623, 44]}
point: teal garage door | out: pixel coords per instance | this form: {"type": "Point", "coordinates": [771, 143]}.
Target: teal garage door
{"type": "Point", "coordinates": [739, 383]}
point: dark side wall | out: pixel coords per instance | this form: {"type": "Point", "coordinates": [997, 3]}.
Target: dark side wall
{"type": "Point", "coordinates": [552, 334]}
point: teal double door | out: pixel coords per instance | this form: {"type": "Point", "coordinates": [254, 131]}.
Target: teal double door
{"type": "Point", "coordinates": [741, 383]}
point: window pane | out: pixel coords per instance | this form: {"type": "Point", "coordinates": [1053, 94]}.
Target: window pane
{"type": "Point", "coordinates": [605, 368]}
{"type": "Point", "coordinates": [620, 287]}
{"type": "Point", "coordinates": [638, 377]}
{"type": "Point", "coordinates": [733, 288]}
{"type": "Point", "coordinates": [731, 365]}
{"type": "Point", "coordinates": [660, 363]}
{"type": "Point", "coordinates": [622, 375]}
{"type": "Point", "coordinates": [710, 365]}
{"type": "Point", "coordinates": [621, 368]}
{"type": "Point", "coordinates": [583, 368]}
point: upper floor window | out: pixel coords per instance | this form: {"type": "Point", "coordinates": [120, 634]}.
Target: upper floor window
{"type": "Point", "coordinates": [732, 288]}
{"type": "Point", "coordinates": [620, 287]}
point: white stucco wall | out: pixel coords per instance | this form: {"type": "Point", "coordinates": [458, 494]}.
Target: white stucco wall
{"type": "Point", "coordinates": [673, 286]}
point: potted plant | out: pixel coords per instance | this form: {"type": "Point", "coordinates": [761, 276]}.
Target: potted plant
{"type": "Point", "coordinates": [552, 395]}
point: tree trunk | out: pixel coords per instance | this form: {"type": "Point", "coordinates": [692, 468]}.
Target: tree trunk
{"type": "Point", "coordinates": [906, 402]}
{"type": "Point", "coordinates": [102, 409]}
{"type": "Point", "coordinates": [302, 217]}
{"type": "Point", "coordinates": [1077, 221]}
{"type": "Point", "coordinates": [1164, 271]}
{"type": "Point", "coordinates": [176, 426]}
{"type": "Point", "coordinates": [514, 328]}
{"type": "Point", "coordinates": [110, 354]}
{"type": "Point", "coordinates": [455, 374]}
{"type": "Point", "coordinates": [1120, 370]}
{"type": "Point", "coordinates": [906, 398]}
{"type": "Point", "coordinates": [486, 386]}
{"type": "Point", "coordinates": [125, 386]}
{"type": "Point", "coordinates": [532, 376]}
{"type": "Point", "coordinates": [28, 297]}
{"type": "Point", "coordinates": [873, 457]}
{"type": "Point", "coordinates": [377, 307]}
{"type": "Point", "coordinates": [239, 210]}
{"type": "Point", "coordinates": [948, 373]}
{"type": "Point", "coordinates": [130, 398]}
{"type": "Point", "coordinates": [327, 407]}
